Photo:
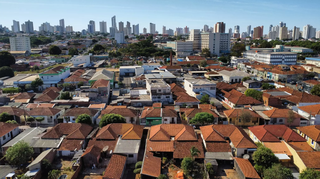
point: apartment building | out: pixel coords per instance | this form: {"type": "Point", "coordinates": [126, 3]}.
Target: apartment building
{"type": "Point", "coordinates": [270, 57]}
{"type": "Point", "coordinates": [217, 43]}
{"type": "Point", "coordinates": [159, 91]}
{"type": "Point", "coordinates": [20, 43]}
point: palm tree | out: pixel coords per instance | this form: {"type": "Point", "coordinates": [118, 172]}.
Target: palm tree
{"type": "Point", "coordinates": [194, 152]}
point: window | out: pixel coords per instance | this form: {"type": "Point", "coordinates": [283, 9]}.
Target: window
{"type": "Point", "coordinates": [239, 120]}
{"type": "Point", "coordinates": [4, 137]}
{"type": "Point", "coordinates": [8, 135]}
{"type": "Point", "coordinates": [312, 142]}
{"type": "Point", "coordinates": [165, 119]}
{"type": "Point", "coordinates": [281, 120]}
{"type": "Point", "coordinates": [130, 155]}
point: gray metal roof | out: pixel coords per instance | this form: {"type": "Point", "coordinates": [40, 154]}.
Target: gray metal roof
{"type": "Point", "coordinates": [39, 158]}
{"type": "Point", "coordinates": [278, 93]}
{"type": "Point", "coordinates": [219, 155]}
{"type": "Point", "coordinates": [127, 146]}
{"type": "Point", "coordinates": [10, 81]}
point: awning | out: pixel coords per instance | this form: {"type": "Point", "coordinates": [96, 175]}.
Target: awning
{"type": "Point", "coordinates": [282, 156]}
{"type": "Point", "coordinates": [32, 173]}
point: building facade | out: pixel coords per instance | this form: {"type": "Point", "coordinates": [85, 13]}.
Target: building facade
{"type": "Point", "coordinates": [274, 58]}
{"type": "Point", "coordinates": [20, 43]}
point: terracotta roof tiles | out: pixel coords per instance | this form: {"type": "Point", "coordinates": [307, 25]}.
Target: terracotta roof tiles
{"type": "Point", "coordinates": [311, 131]}
{"type": "Point", "coordinates": [115, 167]}
{"type": "Point", "coordinates": [43, 111]}
{"type": "Point", "coordinates": [308, 158]}
{"type": "Point", "coordinates": [246, 168]}
{"type": "Point", "coordinates": [6, 128]}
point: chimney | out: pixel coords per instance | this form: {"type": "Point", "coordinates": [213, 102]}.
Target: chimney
{"type": "Point", "coordinates": [170, 58]}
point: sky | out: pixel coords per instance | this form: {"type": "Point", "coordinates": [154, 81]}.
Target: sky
{"type": "Point", "coordinates": [170, 13]}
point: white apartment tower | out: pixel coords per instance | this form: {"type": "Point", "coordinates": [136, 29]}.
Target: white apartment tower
{"type": "Point", "coordinates": [283, 34]}
{"type": "Point", "coordinates": [69, 29]}
{"type": "Point", "coordinates": [61, 22]}
{"type": "Point", "coordinates": [195, 37]}
{"type": "Point", "coordinates": [164, 30]}
{"type": "Point", "coordinates": [114, 23]}
{"type": "Point", "coordinates": [103, 27]}
{"type": "Point", "coordinates": [152, 28]}
{"type": "Point", "coordinates": [144, 30]}
{"type": "Point", "coordinates": [295, 33]}
{"type": "Point", "coordinates": [217, 43]}
{"type": "Point", "coordinates": [128, 28]}
{"type": "Point", "coordinates": [20, 43]}
{"type": "Point", "coordinates": [29, 27]}
{"type": "Point", "coordinates": [308, 32]}
{"type": "Point", "coordinates": [16, 26]}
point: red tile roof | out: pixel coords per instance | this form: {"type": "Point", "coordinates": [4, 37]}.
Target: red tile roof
{"type": "Point", "coordinates": [311, 131]}
{"type": "Point", "coordinates": [185, 98]}
{"type": "Point", "coordinates": [115, 167]}
{"type": "Point", "coordinates": [156, 112]}
{"type": "Point", "coordinates": [24, 97]}
{"type": "Point", "coordinates": [79, 111]}
{"type": "Point", "coordinates": [298, 97]}
{"type": "Point", "coordinates": [312, 82]}
{"type": "Point", "coordinates": [300, 146]}
{"type": "Point", "coordinates": [273, 133]}
{"type": "Point", "coordinates": [233, 113]}
{"type": "Point", "coordinates": [44, 111]}
{"type": "Point", "coordinates": [313, 109]}
{"type": "Point", "coordinates": [108, 145]}
{"type": "Point", "coordinates": [176, 88]}
{"type": "Point", "coordinates": [100, 83]}
{"type": "Point", "coordinates": [171, 67]}
{"type": "Point", "coordinates": [196, 58]}
{"type": "Point", "coordinates": [218, 146]}
{"type": "Point", "coordinates": [182, 148]}
{"type": "Point", "coordinates": [240, 139]}
{"type": "Point", "coordinates": [54, 70]}
{"type": "Point", "coordinates": [191, 112]}
{"type": "Point", "coordinates": [278, 147]}
{"type": "Point", "coordinates": [127, 131]}
{"type": "Point", "coordinates": [238, 98]}
{"type": "Point", "coordinates": [308, 158]}
{"type": "Point", "coordinates": [40, 105]}
{"type": "Point", "coordinates": [246, 168]}
{"type": "Point", "coordinates": [93, 150]}
{"type": "Point", "coordinates": [71, 130]}
{"type": "Point", "coordinates": [164, 132]}
{"type": "Point", "coordinates": [125, 112]}
{"type": "Point", "coordinates": [167, 146]}
{"type": "Point", "coordinates": [47, 96]}
{"type": "Point", "coordinates": [70, 145]}
{"type": "Point", "coordinates": [151, 165]}
{"type": "Point", "coordinates": [55, 89]}
{"type": "Point", "coordinates": [98, 106]}
{"type": "Point", "coordinates": [280, 113]}
{"type": "Point", "coordinates": [5, 128]}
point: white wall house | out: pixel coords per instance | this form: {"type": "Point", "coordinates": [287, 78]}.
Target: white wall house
{"type": "Point", "coordinates": [159, 91]}
{"type": "Point", "coordinates": [50, 115]}
{"type": "Point", "coordinates": [131, 70]}
{"type": "Point", "coordinates": [71, 115]}
{"type": "Point", "coordinates": [148, 67]}
{"type": "Point", "coordinates": [234, 76]}
{"type": "Point", "coordinates": [310, 113]}
{"type": "Point", "coordinates": [270, 57]}
{"type": "Point", "coordinates": [199, 87]}
{"type": "Point", "coordinates": [53, 76]}
{"type": "Point", "coordinates": [8, 131]}
{"type": "Point", "coordinates": [83, 60]}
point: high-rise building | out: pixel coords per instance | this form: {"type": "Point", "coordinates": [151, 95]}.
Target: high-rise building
{"type": "Point", "coordinates": [258, 32]}
{"type": "Point", "coordinates": [164, 30]}
{"type": "Point", "coordinates": [205, 28]}
{"type": "Point", "coordinates": [61, 22]}
{"type": "Point", "coordinates": [217, 43]}
{"type": "Point", "coordinates": [114, 23]}
{"type": "Point", "coordinates": [46, 27]}
{"type": "Point", "coordinates": [128, 28]}
{"type": "Point", "coordinates": [121, 26]}
{"type": "Point", "coordinates": [195, 37]}
{"type": "Point", "coordinates": [90, 29]}
{"type": "Point", "coordinates": [248, 30]}
{"type": "Point", "coordinates": [179, 31]}
{"type": "Point", "coordinates": [135, 29]}
{"type": "Point", "coordinates": [29, 27]}
{"type": "Point", "coordinates": [69, 29]}
{"type": "Point", "coordinates": [57, 29]}
{"type": "Point", "coordinates": [309, 32]}
{"type": "Point", "coordinates": [93, 26]}
{"type": "Point", "coordinates": [112, 31]}
{"type": "Point", "coordinates": [170, 32]}
{"type": "Point", "coordinates": [237, 29]}
{"type": "Point", "coordinates": [318, 34]}
{"type": "Point", "coordinates": [295, 33]}
{"type": "Point", "coordinates": [186, 30]}
{"type": "Point", "coordinates": [230, 31]}
{"type": "Point", "coordinates": [16, 26]}
{"type": "Point", "coordinates": [119, 37]}
{"type": "Point", "coordinates": [20, 43]}
{"type": "Point", "coordinates": [144, 30]}
{"type": "Point", "coordinates": [152, 28]}
{"type": "Point", "coordinates": [313, 32]}
{"type": "Point", "coordinates": [282, 24]}
{"type": "Point", "coordinates": [219, 27]}
{"type": "Point", "coordinates": [270, 28]}
{"type": "Point", "coordinates": [103, 27]}
{"type": "Point", "coordinates": [283, 33]}
{"type": "Point", "coordinates": [23, 27]}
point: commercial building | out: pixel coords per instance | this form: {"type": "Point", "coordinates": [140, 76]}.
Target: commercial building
{"type": "Point", "coordinates": [103, 27]}
{"type": "Point", "coordinates": [199, 87]}
{"type": "Point", "coordinates": [93, 26]}
{"type": "Point", "coordinates": [131, 70]}
{"type": "Point", "coordinates": [295, 33]}
{"type": "Point", "coordinates": [182, 48]}
{"type": "Point", "coordinates": [81, 60]}
{"type": "Point", "coordinates": [119, 37]}
{"type": "Point", "coordinates": [69, 29]}
{"type": "Point", "coordinates": [220, 27]}
{"type": "Point", "coordinates": [164, 30]}
{"type": "Point", "coordinates": [16, 26]}
{"type": "Point", "coordinates": [217, 43]}
{"type": "Point", "coordinates": [20, 43]}
{"type": "Point", "coordinates": [283, 34]}
{"type": "Point", "coordinates": [195, 38]}
{"type": "Point", "coordinates": [152, 28]}
{"type": "Point", "coordinates": [53, 76]}
{"type": "Point", "coordinates": [270, 57]}
{"type": "Point", "coordinates": [159, 90]}
{"type": "Point", "coordinates": [61, 22]}
{"type": "Point", "coordinates": [258, 32]}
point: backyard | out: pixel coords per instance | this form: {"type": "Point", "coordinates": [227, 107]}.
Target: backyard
{"type": "Point", "coordinates": [64, 165]}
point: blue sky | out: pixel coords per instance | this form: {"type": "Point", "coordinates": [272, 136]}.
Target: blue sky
{"type": "Point", "coordinates": [170, 13]}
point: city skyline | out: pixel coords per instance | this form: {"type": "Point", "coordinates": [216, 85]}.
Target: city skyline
{"type": "Point", "coordinates": [149, 14]}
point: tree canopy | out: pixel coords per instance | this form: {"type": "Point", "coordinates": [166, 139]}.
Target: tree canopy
{"type": "Point", "coordinates": [65, 95]}
{"type": "Point", "coordinates": [4, 117]}
{"type": "Point", "coordinates": [309, 173]}
{"type": "Point", "coordinates": [194, 152]}
{"type": "Point", "coordinates": [11, 122]}
{"type": "Point", "coordinates": [187, 165]}
{"type": "Point", "coordinates": [316, 90]}
{"type": "Point", "coordinates": [246, 78]}
{"type": "Point", "coordinates": [98, 48]}
{"type": "Point", "coordinates": [73, 51]}
{"type": "Point", "coordinates": [278, 171]}
{"type": "Point", "coordinates": [223, 59]}
{"type": "Point", "coordinates": [254, 93]}
{"type": "Point", "coordinates": [238, 49]}
{"type": "Point", "coordinates": [267, 86]}
{"type": "Point", "coordinates": [203, 63]}
{"type": "Point", "coordinates": [6, 59]}
{"type": "Point", "coordinates": [206, 52]}
{"type": "Point", "coordinates": [36, 83]}
{"type": "Point", "coordinates": [19, 154]}
{"type": "Point", "coordinates": [84, 118]}
{"type": "Point", "coordinates": [6, 71]}
{"type": "Point", "coordinates": [202, 118]}
{"type": "Point", "coordinates": [263, 159]}
{"type": "Point", "coordinates": [54, 50]}
{"type": "Point", "coordinates": [41, 40]}
{"type": "Point", "coordinates": [205, 99]}
{"type": "Point", "coordinates": [245, 116]}
{"type": "Point", "coordinates": [111, 118]}
{"type": "Point", "coordinates": [10, 90]}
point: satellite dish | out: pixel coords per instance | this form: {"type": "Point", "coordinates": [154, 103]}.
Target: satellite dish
{"type": "Point", "coordinates": [246, 156]}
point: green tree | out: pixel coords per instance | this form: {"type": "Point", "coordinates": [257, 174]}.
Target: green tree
{"type": "Point", "coordinates": [39, 119]}
{"type": "Point", "coordinates": [187, 165]}
{"type": "Point", "coordinates": [35, 68]}
{"type": "Point", "coordinates": [311, 75]}
{"type": "Point", "coordinates": [65, 95]}
{"type": "Point", "coordinates": [246, 78]}
{"type": "Point", "coordinates": [291, 117]}
{"type": "Point", "coordinates": [6, 71]}
{"type": "Point", "coordinates": [205, 99]}
{"type": "Point", "coordinates": [10, 90]}
{"type": "Point", "coordinates": [25, 177]}
{"type": "Point", "coordinates": [31, 119]}
{"type": "Point", "coordinates": [245, 116]}
{"type": "Point", "coordinates": [277, 171]}
{"type": "Point", "coordinates": [162, 176]}
{"type": "Point", "coordinates": [267, 86]}
{"type": "Point", "coordinates": [194, 152]}
{"type": "Point", "coordinates": [209, 168]}
{"type": "Point", "coordinates": [316, 90]}
{"type": "Point", "coordinates": [203, 63]}
{"type": "Point", "coordinates": [309, 173]}
{"type": "Point", "coordinates": [19, 154]}
{"type": "Point", "coordinates": [11, 122]}
{"type": "Point", "coordinates": [238, 49]}
{"type": "Point", "coordinates": [4, 117]}
{"type": "Point", "coordinates": [223, 59]}
{"type": "Point", "coordinates": [84, 118]}
{"type": "Point", "coordinates": [206, 52]}
{"type": "Point", "coordinates": [36, 83]}
{"type": "Point", "coordinates": [111, 118]}
{"type": "Point", "coordinates": [202, 118]}
{"type": "Point", "coordinates": [46, 165]}
{"type": "Point", "coordinates": [138, 164]}
{"type": "Point", "coordinates": [54, 174]}
{"type": "Point", "coordinates": [73, 51]}
{"type": "Point", "coordinates": [263, 159]}
{"type": "Point", "coordinates": [254, 93]}
{"type": "Point", "coordinates": [54, 50]}
{"type": "Point", "coordinates": [6, 59]}
{"type": "Point", "coordinates": [98, 47]}
{"type": "Point", "coordinates": [137, 170]}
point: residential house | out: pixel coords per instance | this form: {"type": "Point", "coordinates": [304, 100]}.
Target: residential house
{"type": "Point", "coordinates": [195, 58]}
{"type": "Point", "coordinates": [280, 150]}
{"type": "Point", "coordinates": [311, 112]}
{"type": "Point", "coordinates": [252, 84]}
{"type": "Point", "coordinates": [50, 115]}
{"type": "Point", "coordinates": [199, 87]}
{"type": "Point", "coordinates": [158, 115]}
{"type": "Point", "coordinates": [116, 167]}
{"type": "Point", "coordinates": [103, 74]}
{"type": "Point", "coordinates": [270, 100]}
{"type": "Point", "coordinates": [71, 115]}
{"type": "Point", "coordinates": [99, 107]}
{"type": "Point", "coordinates": [91, 156]}
{"type": "Point", "coordinates": [235, 98]}
{"type": "Point", "coordinates": [311, 134]}
{"type": "Point", "coordinates": [24, 97]}
{"type": "Point", "coordinates": [74, 137]}
{"type": "Point", "coordinates": [53, 76]}
{"type": "Point", "coordinates": [228, 87]}
{"type": "Point", "coordinates": [181, 98]}
{"type": "Point", "coordinates": [233, 76]}
{"type": "Point", "coordinates": [81, 60]}
{"type": "Point", "coordinates": [47, 96]}
{"type": "Point", "coordinates": [159, 91]}
{"type": "Point", "coordinates": [191, 113]}
{"type": "Point", "coordinates": [8, 132]}
{"type": "Point", "coordinates": [162, 75]}
{"type": "Point", "coordinates": [138, 81]}
{"type": "Point", "coordinates": [238, 139]}
{"type": "Point", "coordinates": [119, 138]}
{"type": "Point", "coordinates": [100, 91]}
{"type": "Point", "coordinates": [39, 105]}
{"type": "Point", "coordinates": [76, 78]}
{"type": "Point", "coordinates": [18, 114]}
{"type": "Point", "coordinates": [130, 115]}
{"type": "Point", "coordinates": [151, 165]}
{"type": "Point", "coordinates": [234, 116]}
{"type": "Point", "coordinates": [244, 169]}
{"type": "Point", "coordinates": [282, 116]}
